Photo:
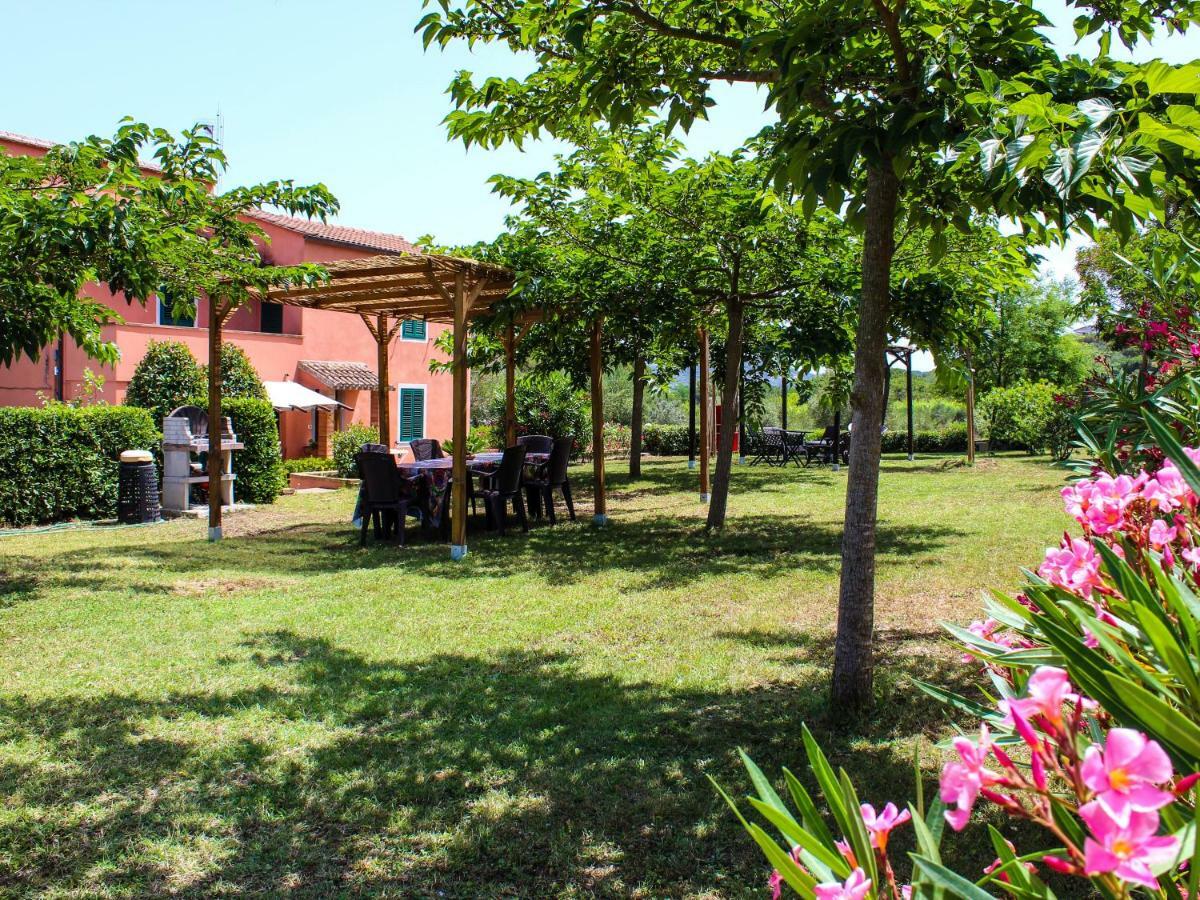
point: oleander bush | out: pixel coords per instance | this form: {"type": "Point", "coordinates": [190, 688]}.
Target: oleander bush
{"type": "Point", "coordinates": [60, 462]}
{"type": "Point", "coordinates": [1027, 415]}
{"type": "Point", "coordinates": [1089, 736]}
{"type": "Point", "coordinates": [665, 440]}
{"type": "Point", "coordinates": [346, 443]}
{"type": "Point", "coordinates": [259, 468]}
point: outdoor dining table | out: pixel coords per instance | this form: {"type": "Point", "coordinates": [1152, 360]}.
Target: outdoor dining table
{"type": "Point", "coordinates": [793, 446]}
{"type": "Point", "coordinates": [436, 475]}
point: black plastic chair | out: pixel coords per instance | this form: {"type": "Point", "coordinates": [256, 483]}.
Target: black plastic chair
{"type": "Point", "coordinates": [536, 443]}
{"type": "Point", "coordinates": [425, 448]}
{"type": "Point", "coordinates": [554, 475]}
{"type": "Point", "coordinates": [503, 485]}
{"type": "Point", "coordinates": [386, 492]}
{"type": "Point", "coordinates": [820, 451]}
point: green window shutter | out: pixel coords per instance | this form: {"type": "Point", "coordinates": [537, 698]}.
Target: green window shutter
{"type": "Point", "coordinates": [413, 330]}
{"type": "Point", "coordinates": [412, 414]}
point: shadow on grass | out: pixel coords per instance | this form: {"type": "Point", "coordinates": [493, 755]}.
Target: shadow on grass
{"type": "Point", "coordinates": [514, 775]}
{"type": "Point", "coordinates": [657, 551]}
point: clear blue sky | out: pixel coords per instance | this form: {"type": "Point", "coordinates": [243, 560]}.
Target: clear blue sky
{"type": "Point", "coordinates": [339, 92]}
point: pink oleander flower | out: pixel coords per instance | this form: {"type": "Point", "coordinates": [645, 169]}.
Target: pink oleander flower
{"type": "Point", "coordinates": [1161, 534]}
{"type": "Point", "coordinates": [1191, 556]}
{"type": "Point", "coordinates": [880, 825]}
{"type": "Point", "coordinates": [1075, 567]}
{"type": "Point", "coordinates": [847, 853]}
{"type": "Point", "coordinates": [1048, 689]}
{"type": "Point", "coordinates": [961, 781]}
{"type": "Point", "coordinates": [1125, 772]}
{"type": "Point", "coordinates": [775, 882]}
{"type": "Point", "coordinates": [1107, 500]}
{"type": "Point", "coordinates": [856, 887]}
{"type": "Point", "coordinates": [1167, 489]}
{"type": "Point", "coordinates": [906, 891]}
{"type": "Point", "coordinates": [1128, 851]}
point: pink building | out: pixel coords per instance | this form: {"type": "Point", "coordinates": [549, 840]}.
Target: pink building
{"type": "Point", "coordinates": [329, 352]}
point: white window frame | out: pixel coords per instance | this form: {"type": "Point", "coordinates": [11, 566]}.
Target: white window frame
{"type": "Point", "coordinates": [424, 389]}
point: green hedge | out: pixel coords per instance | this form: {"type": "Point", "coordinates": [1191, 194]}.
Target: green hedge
{"type": "Point", "coordinates": [307, 464]}
{"type": "Point", "coordinates": [665, 440]}
{"type": "Point", "coordinates": [951, 439]}
{"type": "Point", "coordinates": [60, 462]}
{"type": "Point", "coordinates": [259, 468]}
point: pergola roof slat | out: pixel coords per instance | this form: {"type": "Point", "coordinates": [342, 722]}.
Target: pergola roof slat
{"type": "Point", "coordinates": [409, 285]}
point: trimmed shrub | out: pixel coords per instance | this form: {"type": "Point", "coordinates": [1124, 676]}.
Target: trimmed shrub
{"type": "Point", "coordinates": [346, 443]}
{"type": "Point", "coordinates": [167, 377]}
{"type": "Point", "coordinates": [239, 378]}
{"type": "Point", "coordinates": [307, 464]}
{"type": "Point", "coordinates": [1025, 415]}
{"type": "Point", "coordinates": [952, 439]}
{"type": "Point", "coordinates": [665, 440]}
{"type": "Point", "coordinates": [60, 462]}
{"type": "Point", "coordinates": [259, 469]}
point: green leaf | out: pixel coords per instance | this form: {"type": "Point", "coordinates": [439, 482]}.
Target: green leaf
{"type": "Point", "coordinates": [952, 882]}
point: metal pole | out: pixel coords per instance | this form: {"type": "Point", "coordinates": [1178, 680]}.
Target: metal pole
{"type": "Point", "coordinates": [909, 398]}
{"type": "Point", "coordinates": [783, 402]}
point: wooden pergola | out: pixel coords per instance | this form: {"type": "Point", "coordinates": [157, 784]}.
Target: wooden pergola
{"type": "Point", "coordinates": [384, 291]}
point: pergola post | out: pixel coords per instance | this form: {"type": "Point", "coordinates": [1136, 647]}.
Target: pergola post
{"type": "Point", "coordinates": [836, 465]}
{"type": "Point", "coordinates": [909, 399]}
{"type": "Point", "coordinates": [214, 420]}
{"type": "Point", "coordinates": [458, 512]}
{"type": "Point", "coordinates": [600, 516]}
{"type": "Point", "coordinates": [381, 340]}
{"type": "Point", "coordinates": [704, 416]}
{"type": "Point", "coordinates": [510, 387]}
{"type": "Point", "coordinates": [692, 415]}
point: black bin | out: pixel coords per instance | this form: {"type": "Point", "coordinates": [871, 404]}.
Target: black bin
{"type": "Point", "coordinates": [137, 488]}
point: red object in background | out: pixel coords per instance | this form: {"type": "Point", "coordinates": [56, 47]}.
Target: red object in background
{"type": "Point", "coordinates": [736, 434]}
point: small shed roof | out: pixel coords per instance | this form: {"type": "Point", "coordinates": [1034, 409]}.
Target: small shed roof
{"type": "Point", "coordinates": [408, 285]}
{"type": "Point", "coordinates": [341, 375]}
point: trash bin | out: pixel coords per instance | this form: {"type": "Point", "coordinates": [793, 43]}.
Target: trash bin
{"type": "Point", "coordinates": [137, 488]}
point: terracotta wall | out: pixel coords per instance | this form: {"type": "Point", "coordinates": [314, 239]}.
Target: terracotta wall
{"type": "Point", "coordinates": [309, 334]}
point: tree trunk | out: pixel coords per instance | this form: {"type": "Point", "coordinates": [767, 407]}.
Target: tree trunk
{"type": "Point", "coordinates": [729, 404]}
{"type": "Point", "coordinates": [853, 662]}
{"type": "Point", "coordinates": [635, 421]}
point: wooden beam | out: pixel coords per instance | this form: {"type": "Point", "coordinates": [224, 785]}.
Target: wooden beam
{"type": "Point", "coordinates": [214, 463]}
{"type": "Point", "coordinates": [510, 387]}
{"type": "Point", "coordinates": [441, 288]}
{"type": "Point", "coordinates": [970, 411]}
{"type": "Point", "coordinates": [909, 399]}
{"type": "Point", "coordinates": [458, 514]}
{"type": "Point", "coordinates": [382, 343]}
{"type": "Point", "coordinates": [705, 426]}
{"type": "Point", "coordinates": [600, 516]}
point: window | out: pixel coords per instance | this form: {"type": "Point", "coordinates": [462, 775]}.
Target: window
{"type": "Point", "coordinates": [412, 414]}
{"type": "Point", "coordinates": [166, 318]}
{"type": "Point", "coordinates": [413, 330]}
{"type": "Point", "coordinates": [271, 319]}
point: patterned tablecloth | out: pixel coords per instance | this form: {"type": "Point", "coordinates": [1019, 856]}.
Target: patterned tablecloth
{"type": "Point", "coordinates": [436, 474]}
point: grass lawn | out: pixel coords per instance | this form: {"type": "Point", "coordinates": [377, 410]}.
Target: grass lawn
{"type": "Point", "coordinates": [286, 714]}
